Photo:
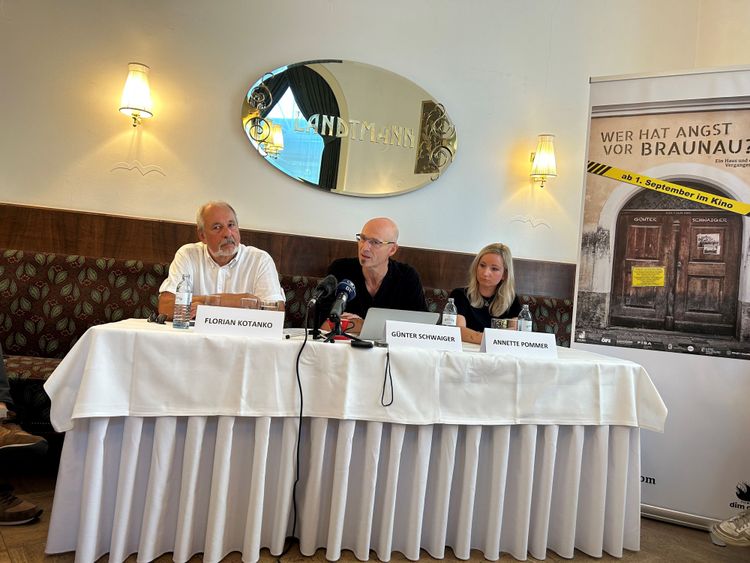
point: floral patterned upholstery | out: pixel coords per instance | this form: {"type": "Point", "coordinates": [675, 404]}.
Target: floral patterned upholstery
{"type": "Point", "coordinates": [436, 299]}
{"type": "Point", "coordinates": [550, 314]}
{"type": "Point", "coordinates": [50, 300]}
{"type": "Point", "coordinates": [298, 291]}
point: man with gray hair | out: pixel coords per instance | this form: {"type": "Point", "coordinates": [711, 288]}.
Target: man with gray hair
{"type": "Point", "coordinates": [220, 265]}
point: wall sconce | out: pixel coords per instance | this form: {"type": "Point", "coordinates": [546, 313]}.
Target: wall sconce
{"type": "Point", "coordinates": [543, 163]}
{"type": "Point", "coordinates": [136, 95]}
{"type": "Point", "coordinates": [267, 134]}
{"type": "Point", "coordinates": [260, 129]}
{"type": "Point", "coordinates": [275, 144]}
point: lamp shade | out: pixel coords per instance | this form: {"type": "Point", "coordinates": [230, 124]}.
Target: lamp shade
{"type": "Point", "coordinates": [275, 143]}
{"type": "Point", "coordinates": [277, 136]}
{"type": "Point", "coordinates": [544, 165]}
{"type": "Point", "coordinates": [136, 95]}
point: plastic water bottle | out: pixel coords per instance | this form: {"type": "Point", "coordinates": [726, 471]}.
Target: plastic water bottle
{"type": "Point", "coordinates": [524, 319]}
{"type": "Point", "coordinates": [183, 297]}
{"type": "Point", "coordinates": [449, 313]}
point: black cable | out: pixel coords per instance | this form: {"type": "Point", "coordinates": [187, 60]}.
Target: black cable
{"type": "Point", "coordinates": [291, 539]}
{"type": "Point", "coordinates": [387, 377]}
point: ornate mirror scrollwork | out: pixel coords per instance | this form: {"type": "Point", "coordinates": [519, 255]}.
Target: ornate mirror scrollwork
{"type": "Point", "coordinates": [436, 140]}
{"type": "Point", "coordinates": [259, 129]}
{"type": "Point", "coordinates": [349, 128]}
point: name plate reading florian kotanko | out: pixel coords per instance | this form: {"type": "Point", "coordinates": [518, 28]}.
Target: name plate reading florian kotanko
{"type": "Point", "coordinates": [241, 322]}
{"type": "Point", "coordinates": [419, 335]}
{"type": "Point", "coordinates": [519, 343]}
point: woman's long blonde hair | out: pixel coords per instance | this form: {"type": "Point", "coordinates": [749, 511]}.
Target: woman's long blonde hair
{"type": "Point", "coordinates": [505, 292]}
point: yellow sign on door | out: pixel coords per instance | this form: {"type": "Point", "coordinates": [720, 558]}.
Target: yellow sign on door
{"type": "Point", "coordinates": [647, 276]}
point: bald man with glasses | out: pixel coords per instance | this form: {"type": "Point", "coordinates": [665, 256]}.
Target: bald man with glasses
{"type": "Point", "coordinates": [380, 280]}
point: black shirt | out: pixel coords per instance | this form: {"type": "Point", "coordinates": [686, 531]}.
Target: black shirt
{"type": "Point", "coordinates": [479, 318]}
{"type": "Point", "coordinates": [400, 289]}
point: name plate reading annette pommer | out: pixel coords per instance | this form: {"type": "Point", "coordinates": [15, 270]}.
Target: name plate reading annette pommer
{"type": "Point", "coordinates": [241, 322]}
{"type": "Point", "coordinates": [519, 343]}
{"type": "Point", "coordinates": [419, 335]}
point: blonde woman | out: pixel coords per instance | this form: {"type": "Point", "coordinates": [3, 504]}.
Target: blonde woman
{"type": "Point", "coordinates": [491, 292]}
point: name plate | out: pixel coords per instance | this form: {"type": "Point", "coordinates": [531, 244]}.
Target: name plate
{"type": "Point", "coordinates": [241, 322]}
{"type": "Point", "coordinates": [518, 343]}
{"type": "Point", "coordinates": [419, 335]}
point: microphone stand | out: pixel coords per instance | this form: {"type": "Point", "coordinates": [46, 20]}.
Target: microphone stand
{"type": "Point", "coordinates": [315, 330]}
{"type": "Point", "coordinates": [336, 331]}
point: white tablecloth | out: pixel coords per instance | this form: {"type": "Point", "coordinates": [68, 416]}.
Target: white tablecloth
{"type": "Point", "coordinates": [133, 368]}
{"type": "Point", "coordinates": [182, 442]}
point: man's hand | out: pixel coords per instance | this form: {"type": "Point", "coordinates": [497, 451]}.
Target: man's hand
{"type": "Point", "coordinates": [356, 321]}
{"type": "Point", "coordinates": [354, 324]}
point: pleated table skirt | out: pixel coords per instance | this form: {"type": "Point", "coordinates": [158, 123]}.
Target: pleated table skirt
{"type": "Point", "coordinates": [215, 485]}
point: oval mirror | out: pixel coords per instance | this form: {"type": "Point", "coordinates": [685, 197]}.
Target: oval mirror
{"type": "Point", "coordinates": [349, 128]}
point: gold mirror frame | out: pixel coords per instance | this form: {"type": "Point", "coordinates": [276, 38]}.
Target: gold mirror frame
{"type": "Point", "coordinates": [349, 128]}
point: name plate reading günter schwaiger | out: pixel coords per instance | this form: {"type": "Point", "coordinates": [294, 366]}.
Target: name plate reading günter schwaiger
{"type": "Point", "coordinates": [420, 335]}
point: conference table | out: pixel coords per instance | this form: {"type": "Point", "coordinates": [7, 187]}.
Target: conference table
{"type": "Point", "coordinates": [183, 442]}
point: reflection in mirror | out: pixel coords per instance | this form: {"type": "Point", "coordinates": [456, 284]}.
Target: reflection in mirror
{"type": "Point", "coordinates": [349, 128]}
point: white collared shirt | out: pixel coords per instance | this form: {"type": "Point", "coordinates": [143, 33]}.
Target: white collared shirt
{"type": "Point", "coordinates": [250, 271]}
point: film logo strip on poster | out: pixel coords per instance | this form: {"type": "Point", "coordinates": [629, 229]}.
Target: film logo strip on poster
{"type": "Point", "coordinates": [668, 188]}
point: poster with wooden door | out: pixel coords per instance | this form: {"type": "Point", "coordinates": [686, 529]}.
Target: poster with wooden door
{"type": "Point", "coordinates": [664, 273]}
{"type": "Point", "coordinates": [676, 271]}
{"type": "Point", "coordinates": [665, 251]}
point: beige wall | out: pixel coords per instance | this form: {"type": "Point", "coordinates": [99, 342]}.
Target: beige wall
{"type": "Point", "coordinates": [506, 71]}
{"type": "Point", "coordinates": [722, 37]}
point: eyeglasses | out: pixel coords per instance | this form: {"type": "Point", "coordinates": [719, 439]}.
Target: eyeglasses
{"type": "Point", "coordinates": [373, 241]}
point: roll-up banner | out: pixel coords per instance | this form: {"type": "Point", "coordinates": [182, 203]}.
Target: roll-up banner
{"type": "Point", "coordinates": [664, 274]}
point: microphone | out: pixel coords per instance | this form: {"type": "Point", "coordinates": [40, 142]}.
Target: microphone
{"type": "Point", "coordinates": [345, 292]}
{"type": "Point", "coordinates": [325, 288]}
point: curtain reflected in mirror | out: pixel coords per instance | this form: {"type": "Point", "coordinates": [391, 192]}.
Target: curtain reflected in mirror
{"type": "Point", "coordinates": [348, 128]}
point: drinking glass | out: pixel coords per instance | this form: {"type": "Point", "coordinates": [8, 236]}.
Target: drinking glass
{"type": "Point", "coordinates": [267, 305]}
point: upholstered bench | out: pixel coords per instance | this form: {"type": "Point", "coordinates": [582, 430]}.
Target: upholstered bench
{"type": "Point", "coordinates": [50, 300]}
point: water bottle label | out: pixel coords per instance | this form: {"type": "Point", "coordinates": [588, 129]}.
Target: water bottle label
{"type": "Point", "coordinates": [449, 320]}
{"type": "Point", "coordinates": [524, 325]}
{"type": "Point", "coordinates": [183, 298]}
